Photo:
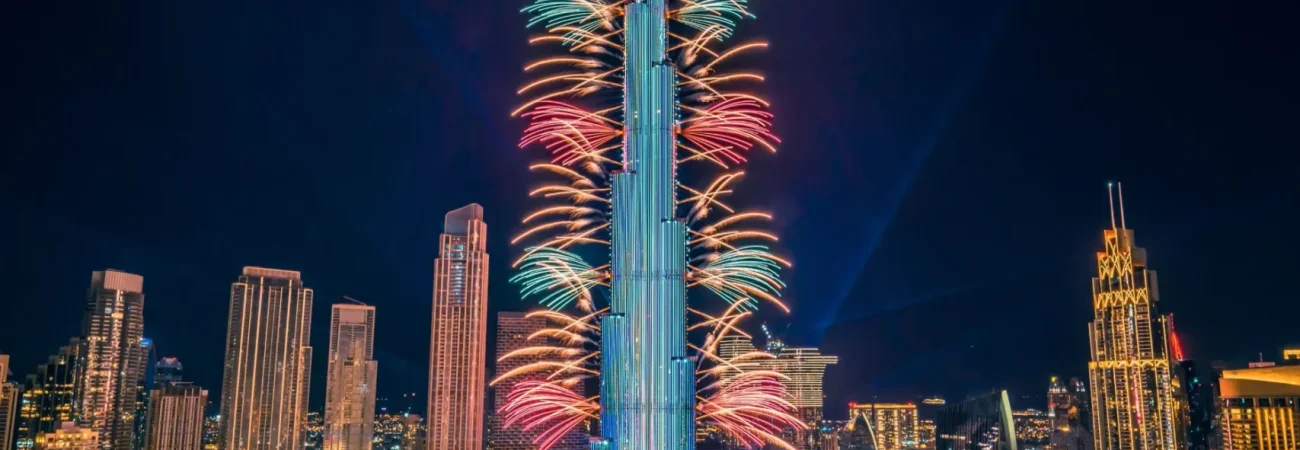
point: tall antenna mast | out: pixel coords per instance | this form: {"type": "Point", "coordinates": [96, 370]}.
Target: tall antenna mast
{"type": "Point", "coordinates": [1121, 205]}
{"type": "Point", "coordinates": [1110, 197]}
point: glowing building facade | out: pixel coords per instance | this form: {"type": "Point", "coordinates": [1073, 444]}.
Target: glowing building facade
{"type": "Point", "coordinates": [268, 361]}
{"type": "Point", "coordinates": [458, 342]}
{"type": "Point", "coordinates": [894, 426]}
{"type": "Point", "coordinates": [68, 437]}
{"type": "Point", "coordinates": [729, 348]}
{"type": "Point", "coordinates": [1260, 408]}
{"type": "Point", "coordinates": [50, 395]}
{"type": "Point", "coordinates": [175, 418]}
{"type": "Point", "coordinates": [1133, 388]}
{"type": "Point", "coordinates": [647, 382]}
{"type": "Point", "coordinates": [806, 368]}
{"type": "Point", "coordinates": [114, 349]}
{"type": "Point", "coordinates": [1067, 409]}
{"type": "Point", "coordinates": [351, 380]}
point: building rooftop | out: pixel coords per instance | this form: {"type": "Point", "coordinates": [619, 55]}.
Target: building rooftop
{"type": "Point", "coordinates": [457, 221]}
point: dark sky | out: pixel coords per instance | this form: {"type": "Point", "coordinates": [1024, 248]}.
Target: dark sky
{"type": "Point", "coordinates": [941, 188]}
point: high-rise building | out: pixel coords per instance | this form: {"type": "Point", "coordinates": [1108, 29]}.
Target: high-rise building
{"type": "Point", "coordinates": [1197, 412]}
{"type": "Point", "coordinates": [513, 331]}
{"type": "Point", "coordinates": [458, 342]}
{"type": "Point", "coordinates": [806, 368]}
{"type": "Point", "coordinates": [112, 332]}
{"type": "Point", "coordinates": [412, 433]}
{"type": "Point", "coordinates": [1066, 410]}
{"type": "Point", "coordinates": [68, 437]}
{"type": "Point", "coordinates": [143, 389]}
{"type": "Point", "coordinates": [1133, 394]}
{"type": "Point", "coordinates": [167, 371]}
{"type": "Point", "coordinates": [50, 395]}
{"type": "Point", "coordinates": [730, 347]}
{"type": "Point", "coordinates": [175, 419]}
{"type": "Point", "coordinates": [980, 423]}
{"type": "Point", "coordinates": [1260, 408]}
{"type": "Point", "coordinates": [268, 361]}
{"type": "Point", "coordinates": [352, 377]}
{"type": "Point", "coordinates": [8, 405]}
{"type": "Point", "coordinates": [894, 426]}
{"type": "Point", "coordinates": [924, 434]}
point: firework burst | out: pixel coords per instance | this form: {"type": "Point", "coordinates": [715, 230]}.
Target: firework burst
{"type": "Point", "coordinates": [575, 112]}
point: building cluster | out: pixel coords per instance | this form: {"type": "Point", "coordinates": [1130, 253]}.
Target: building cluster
{"type": "Point", "coordinates": [107, 390]}
{"type": "Point", "coordinates": [1142, 392]}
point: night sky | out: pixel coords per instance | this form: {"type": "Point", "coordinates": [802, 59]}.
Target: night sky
{"type": "Point", "coordinates": [940, 189]}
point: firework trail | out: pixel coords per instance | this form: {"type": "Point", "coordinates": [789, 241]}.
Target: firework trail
{"type": "Point", "coordinates": [632, 77]}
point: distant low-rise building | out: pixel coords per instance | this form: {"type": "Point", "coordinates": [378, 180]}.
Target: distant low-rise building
{"type": "Point", "coordinates": [68, 437]}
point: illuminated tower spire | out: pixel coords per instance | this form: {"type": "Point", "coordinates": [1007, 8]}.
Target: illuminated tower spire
{"type": "Point", "coordinates": [648, 384]}
{"type": "Point", "coordinates": [1132, 387]}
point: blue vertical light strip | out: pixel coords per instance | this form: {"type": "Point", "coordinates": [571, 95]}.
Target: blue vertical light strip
{"type": "Point", "coordinates": [647, 384]}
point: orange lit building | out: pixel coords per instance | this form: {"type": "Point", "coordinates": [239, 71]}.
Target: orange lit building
{"type": "Point", "coordinates": [114, 356]}
{"type": "Point", "coordinates": [268, 361]}
{"type": "Point", "coordinates": [1134, 397]}
{"type": "Point", "coordinates": [894, 426]}
{"type": "Point", "coordinates": [176, 417]}
{"type": "Point", "coordinates": [458, 341]}
{"type": "Point", "coordinates": [1259, 408]}
{"type": "Point", "coordinates": [351, 380]}
{"type": "Point", "coordinates": [68, 437]}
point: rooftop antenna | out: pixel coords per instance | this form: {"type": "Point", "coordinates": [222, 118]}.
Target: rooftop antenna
{"type": "Point", "coordinates": [1121, 205]}
{"type": "Point", "coordinates": [1110, 197]}
{"type": "Point", "coordinates": [353, 300]}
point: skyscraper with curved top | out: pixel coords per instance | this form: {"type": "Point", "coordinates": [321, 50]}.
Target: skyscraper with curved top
{"type": "Point", "coordinates": [1132, 384]}
{"type": "Point", "coordinates": [458, 341]}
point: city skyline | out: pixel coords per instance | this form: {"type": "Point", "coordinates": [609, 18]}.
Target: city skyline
{"type": "Point", "coordinates": [937, 192]}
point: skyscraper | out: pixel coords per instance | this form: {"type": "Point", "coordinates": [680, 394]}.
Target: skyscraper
{"type": "Point", "coordinates": [1132, 385]}
{"type": "Point", "coordinates": [143, 389]}
{"type": "Point", "coordinates": [268, 361]}
{"type": "Point", "coordinates": [458, 342]}
{"type": "Point", "coordinates": [982, 422]}
{"type": "Point", "coordinates": [806, 368]}
{"type": "Point", "coordinates": [68, 437]}
{"type": "Point", "coordinates": [730, 347]}
{"type": "Point", "coordinates": [167, 371]}
{"type": "Point", "coordinates": [175, 419]}
{"type": "Point", "coordinates": [1197, 412]}
{"type": "Point", "coordinates": [8, 405]}
{"type": "Point", "coordinates": [1260, 408]}
{"type": "Point", "coordinates": [1065, 408]}
{"type": "Point", "coordinates": [894, 426]}
{"type": "Point", "coordinates": [350, 387]}
{"type": "Point", "coordinates": [112, 329]}
{"type": "Point", "coordinates": [513, 331]}
{"type": "Point", "coordinates": [412, 432]}
{"type": "Point", "coordinates": [50, 394]}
